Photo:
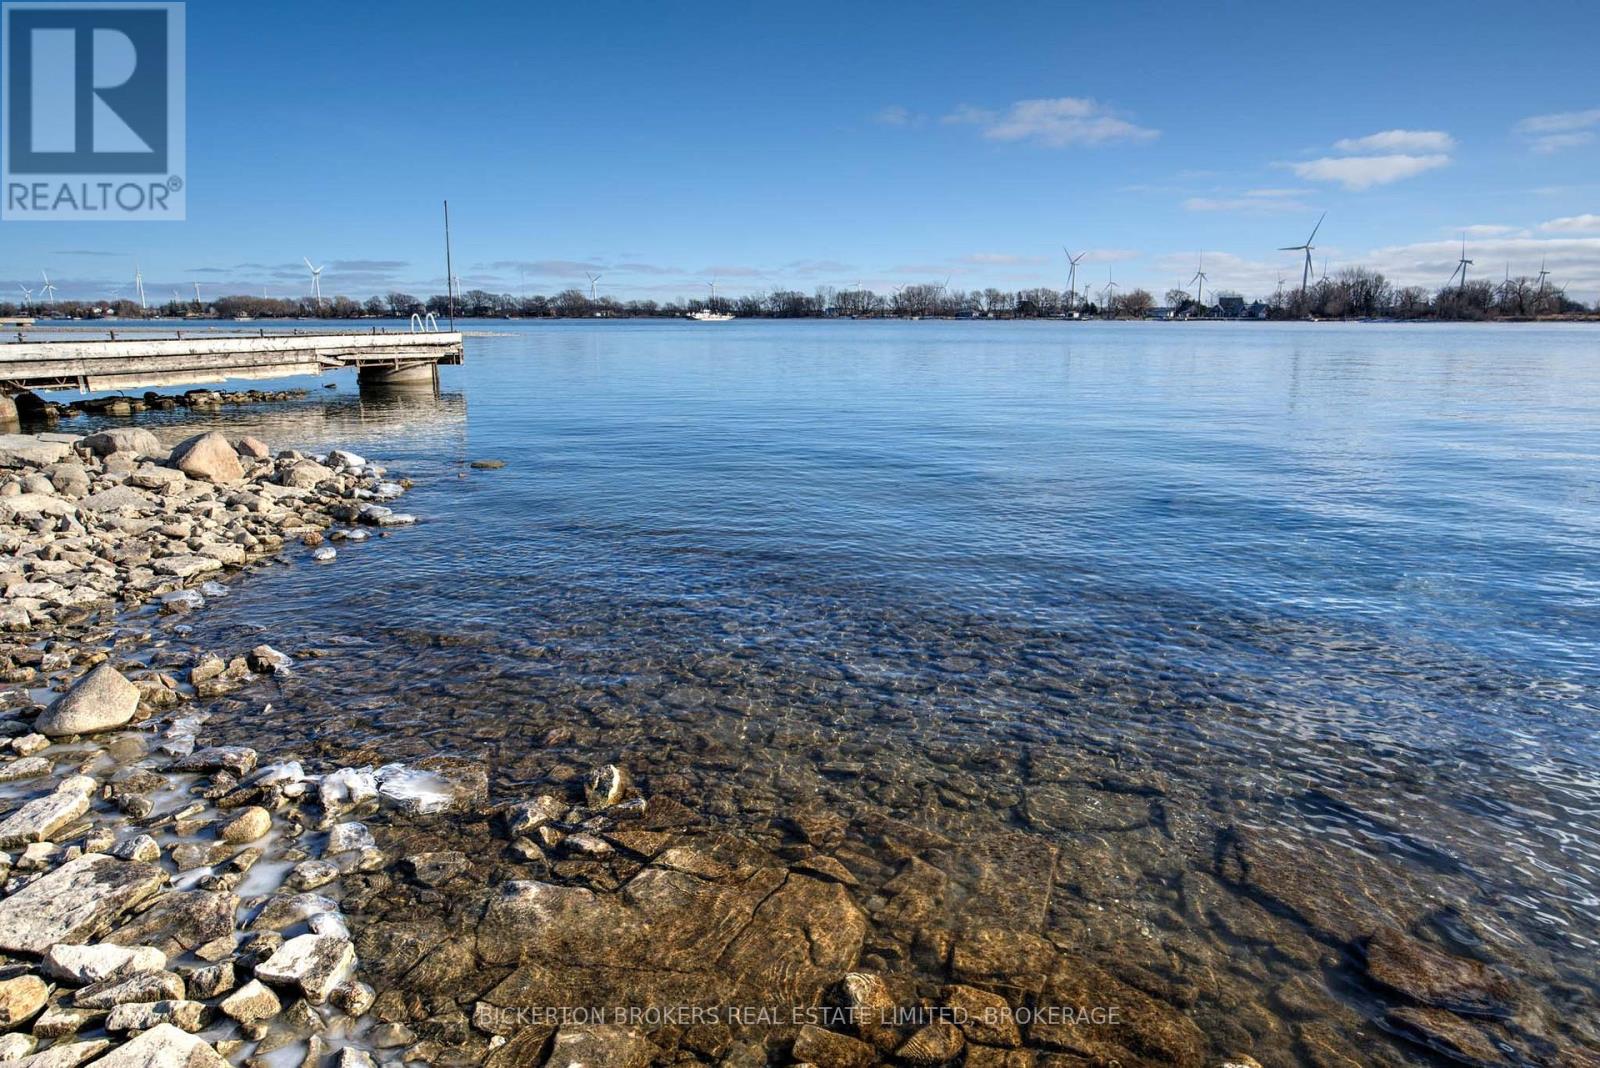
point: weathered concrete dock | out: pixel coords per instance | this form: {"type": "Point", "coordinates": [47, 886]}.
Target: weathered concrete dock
{"type": "Point", "coordinates": [399, 358]}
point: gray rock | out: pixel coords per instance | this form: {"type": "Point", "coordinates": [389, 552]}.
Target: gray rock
{"type": "Point", "coordinates": [77, 902]}
{"type": "Point", "coordinates": [239, 759]}
{"type": "Point", "coordinates": [152, 477]}
{"type": "Point", "coordinates": [99, 701]}
{"type": "Point", "coordinates": [251, 1003]}
{"type": "Point", "coordinates": [164, 1046]}
{"type": "Point", "coordinates": [304, 474]}
{"type": "Point", "coordinates": [26, 450]}
{"type": "Point", "coordinates": [187, 1016]}
{"type": "Point", "coordinates": [124, 439]}
{"type": "Point", "coordinates": [25, 768]}
{"type": "Point", "coordinates": [315, 963]}
{"type": "Point", "coordinates": [41, 818]}
{"type": "Point", "coordinates": [68, 1055]}
{"type": "Point", "coordinates": [81, 965]}
{"type": "Point", "coordinates": [250, 824]}
{"type": "Point", "coordinates": [141, 987]}
{"type": "Point", "coordinates": [15, 1046]}
{"type": "Point", "coordinates": [180, 921]}
{"type": "Point", "coordinates": [117, 499]}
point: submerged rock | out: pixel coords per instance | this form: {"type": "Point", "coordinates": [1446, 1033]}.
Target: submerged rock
{"type": "Point", "coordinates": [99, 701]}
{"type": "Point", "coordinates": [1436, 978]}
{"type": "Point", "coordinates": [599, 1046]}
{"type": "Point", "coordinates": [828, 1049]}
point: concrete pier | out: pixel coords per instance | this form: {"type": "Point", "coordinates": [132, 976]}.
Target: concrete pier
{"type": "Point", "coordinates": [121, 364]}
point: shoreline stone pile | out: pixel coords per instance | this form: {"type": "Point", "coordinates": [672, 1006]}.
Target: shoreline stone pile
{"type": "Point", "coordinates": [115, 517]}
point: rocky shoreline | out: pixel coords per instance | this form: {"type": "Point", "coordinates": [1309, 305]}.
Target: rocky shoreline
{"type": "Point", "coordinates": [170, 899]}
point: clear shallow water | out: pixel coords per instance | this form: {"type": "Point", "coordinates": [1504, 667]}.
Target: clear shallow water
{"type": "Point", "coordinates": [1338, 586]}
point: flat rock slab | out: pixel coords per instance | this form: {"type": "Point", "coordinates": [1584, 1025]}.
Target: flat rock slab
{"type": "Point", "coordinates": [186, 566]}
{"type": "Point", "coordinates": [41, 818]}
{"type": "Point", "coordinates": [759, 935]}
{"type": "Point", "coordinates": [67, 1054]}
{"type": "Point", "coordinates": [26, 504]}
{"type": "Point", "coordinates": [164, 1046]}
{"type": "Point", "coordinates": [76, 903]}
{"type": "Point", "coordinates": [19, 450]}
{"type": "Point", "coordinates": [117, 499]}
{"type": "Point", "coordinates": [179, 922]}
{"type": "Point", "coordinates": [1141, 1030]}
{"type": "Point", "coordinates": [1437, 978]}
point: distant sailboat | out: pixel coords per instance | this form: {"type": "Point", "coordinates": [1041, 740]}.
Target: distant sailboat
{"type": "Point", "coordinates": [709, 313]}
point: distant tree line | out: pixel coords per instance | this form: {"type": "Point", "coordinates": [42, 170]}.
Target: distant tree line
{"type": "Point", "coordinates": [1355, 292]}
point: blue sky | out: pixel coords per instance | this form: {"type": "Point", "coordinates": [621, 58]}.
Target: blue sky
{"type": "Point", "coordinates": [794, 146]}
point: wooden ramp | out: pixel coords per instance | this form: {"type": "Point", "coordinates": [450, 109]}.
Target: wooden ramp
{"type": "Point", "coordinates": [141, 364]}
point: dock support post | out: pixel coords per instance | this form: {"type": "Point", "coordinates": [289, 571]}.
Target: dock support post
{"type": "Point", "coordinates": [410, 378]}
{"type": "Point", "coordinates": [8, 413]}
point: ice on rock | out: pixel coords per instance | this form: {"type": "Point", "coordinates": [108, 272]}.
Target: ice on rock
{"type": "Point", "coordinates": [415, 791]}
{"type": "Point", "coordinates": [348, 788]}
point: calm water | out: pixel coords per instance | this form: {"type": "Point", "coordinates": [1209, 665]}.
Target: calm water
{"type": "Point", "coordinates": [1336, 585]}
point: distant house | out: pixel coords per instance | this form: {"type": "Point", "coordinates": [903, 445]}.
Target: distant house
{"type": "Point", "coordinates": [1230, 307]}
{"type": "Point", "coordinates": [1256, 310]}
{"type": "Point", "coordinates": [1161, 313]}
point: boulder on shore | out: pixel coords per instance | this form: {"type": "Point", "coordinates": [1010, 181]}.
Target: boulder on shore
{"type": "Point", "coordinates": [99, 701]}
{"type": "Point", "coordinates": [208, 456]}
{"type": "Point", "coordinates": [129, 439]}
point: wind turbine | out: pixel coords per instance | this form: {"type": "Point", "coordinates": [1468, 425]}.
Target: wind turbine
{"type": "Point", "coordinates": [1199, 276]}
{"type": "Point", "coordinates": [49, 289]}
{"type": "Point", "coordinates": [1543, 274]}
{"type": "Point", "coordinates": [27, 296]}
{"type": "Point", "coordinates": [593, 278]}
{"type": "Point", "coordinates": [138, 285]}
{"type": "Point", "coordinates": [713, 303]}
{"type": "Point", "coordinates": [1110, 291]}
{"type": "Point", "coordinates": [1461, 267]}
{"type": "Point", "coordinates": [1305, 274]}
{"type": "Point", "coordinates": [197, 304]}
{"type": "Point", "coordinates": [1072, 275]}
{"type": "Point", "coordinates": [316, 283]}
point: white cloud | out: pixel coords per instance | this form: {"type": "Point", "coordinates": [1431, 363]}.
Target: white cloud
{"type": "Point", "coordinates": [895, 115]}
{"type": "Point", "coordinates": [1559, 130]}
{"type": "Point", "coordinates": [1056, 122]}
{"type": "Point", "coordinates": [1392, 141]}
{"type": "Point", "coordinates": [1252, 200]}
{"type": "Point", "coordinates": [1109, 255]}
{"type": "Point", "coordinates": [1573, 262]}
{"type": "Point", "coordinates": [1364, 172]}
{"type": "Point", "coordinates": [1000, 259]}
{"type": "Point", "coordinates": [1587, 223]}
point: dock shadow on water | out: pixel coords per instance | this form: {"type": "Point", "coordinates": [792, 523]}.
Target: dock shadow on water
{"type": "Point", "coordinates": [938, 697]}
